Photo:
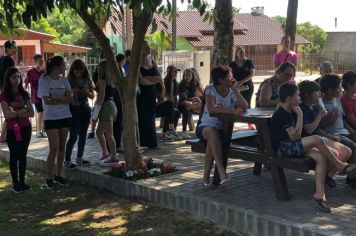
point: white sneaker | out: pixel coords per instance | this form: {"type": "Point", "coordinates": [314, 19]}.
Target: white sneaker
{"type": "Point", "coordinates": [185, 135]}
{"type": "Point", "coordinates": [172, 134]}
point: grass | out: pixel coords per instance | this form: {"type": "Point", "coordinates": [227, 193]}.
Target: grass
{"type": "Point", "coordinates": [78, 209]}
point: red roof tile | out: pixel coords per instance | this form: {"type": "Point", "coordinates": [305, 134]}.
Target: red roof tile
{"type": "Point", "coordinates": [248, 29]}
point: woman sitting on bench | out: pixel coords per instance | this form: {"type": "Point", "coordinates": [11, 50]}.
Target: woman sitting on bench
{"type": "Point", "coordinates": [220, 97]}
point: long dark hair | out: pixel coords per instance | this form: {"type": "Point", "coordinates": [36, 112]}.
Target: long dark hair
{"type": "Point", "coordinates": [53, 62]}
{"type": "Point", "coordinates": [183, 84]}
{"type": "Point", "coordinates": [78, 64]}
{"type": "Point", "coordinates": [168, 79]}
{"type": "Point", "coordinates": [7, 89]}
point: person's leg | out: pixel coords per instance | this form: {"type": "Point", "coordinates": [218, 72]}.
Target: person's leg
{"type": "Point", "coordinates": [92, 129]}
{"type": "Point", "coordinates": [108, 126]}
{"type": "Point", "coordinates": [73, 133]}
{"type": "Point", "coordinates": [208, 164]}
{"type": "Point", "coordinates": [23, 147]}
{"type": "Point", "coordinates": [83, 128]}
{"type": "Point", "coordinates": [318, 142]}
{"type": "Point", "coordinates": [53, 140]}
{"type": "Point", "coordinates": [185, 115]}
{"type": "Point", "coordinates": [101, 138]}
{"type": "Point", "coordinates": [215, 145]}
{"type": "Point", "coordinates": [176, 118]}
{"type": "Point", "coordinates": [11, 142]}
{"type": "Point", "coordinates": [3, 132]}
{"type": "Point", "coordinates": [349, 142]}
{"type": "Point", "coordinates": [340, 150]}
{"type": "Point", "coordinates": [63, 133]}
{"type": "Point", "coordinates": [117, 125]}
{"type": "Point", "coordinates": [320, 171]}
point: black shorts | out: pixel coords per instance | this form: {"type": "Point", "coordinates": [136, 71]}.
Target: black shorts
{"type": "Point", "coordinates": [39, 106]}
{"type": "Point", "coordinates": [57, 124]}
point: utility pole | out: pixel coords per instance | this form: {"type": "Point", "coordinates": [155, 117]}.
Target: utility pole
{"type": "Point", "coordinates": [174, 25]}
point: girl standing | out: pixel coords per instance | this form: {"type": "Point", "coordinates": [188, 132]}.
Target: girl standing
{"type": "Point", "coordinates": [17, 108]}
{"type": "Point", "coordinates": [83, 89]}
{"type": "Point", "coordinates": [56, 94]}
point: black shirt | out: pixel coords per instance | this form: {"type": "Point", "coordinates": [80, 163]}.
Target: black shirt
{"type": "Point", "coordinates": [281, 120]}
{"type": "Point", "coordinates": [240, 73]}
{"type": "Point", "coordinates": [5, 62]}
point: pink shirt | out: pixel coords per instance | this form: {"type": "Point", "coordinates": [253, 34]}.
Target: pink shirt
{"type": "Point", "coordinates": [18, 104]}
{"type": "Point", "coordinates": [281, 57]}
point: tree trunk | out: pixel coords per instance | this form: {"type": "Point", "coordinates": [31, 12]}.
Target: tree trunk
{"type": "Point", "coordinates": [223, 33]}
{"type": "Point", "coordinates": [126, 87]}
{"type": "Point", "coordinates": [291, 22]}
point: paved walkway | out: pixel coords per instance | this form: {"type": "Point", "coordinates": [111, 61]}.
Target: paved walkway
{"type": "Point", "coordinates": [247, 205]}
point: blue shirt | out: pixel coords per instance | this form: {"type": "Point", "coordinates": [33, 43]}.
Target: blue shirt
{"type": "Point", "coordinates": [281, 120]}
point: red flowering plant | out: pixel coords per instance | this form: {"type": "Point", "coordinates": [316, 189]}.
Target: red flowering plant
{"type": "Point", "coordinates": [153, 169]}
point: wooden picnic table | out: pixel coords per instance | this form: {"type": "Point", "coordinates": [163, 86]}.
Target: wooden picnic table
{"type": "Point", "coordinates": [260, 117]}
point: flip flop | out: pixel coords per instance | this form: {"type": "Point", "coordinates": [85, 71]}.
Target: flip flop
{"type": "Point", "coordinates": [349, 171]}
{"type": "Point", "coordinates": [322, 205]}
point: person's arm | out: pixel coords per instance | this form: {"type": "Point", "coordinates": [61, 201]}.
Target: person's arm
{"type": "Point", "coordinates": [351, 119]}
{"type": "Point", "coordinates": [265, 96]}
{"type": "Point", "coordinates": [241, 101]}
{"type": "Point", "coordinates": [252, 73]}
{"type": "Point", "coordinates": [213, 108]}
{"type": "Point", "coordinates": [27, 79]}
{"type": "Point", "coordinates": [28, 112]}
{"type": "Point", "coordinates": [329, 119]}
{"type": "Point", "coordinates": [101, 92]}
{"type": "Point", "coordinates": [311, 127]}
{"type": "Point", "coordinates": [9, 112]}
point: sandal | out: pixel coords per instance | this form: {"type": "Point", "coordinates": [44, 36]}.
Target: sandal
{"type": "Point", "coordinates": [225, 182]}
{"type": "Point", "coordinates": [323, 205]}
{"type": "Point", "coordinates": [207, 185]}
{"type": "Point", "coordinates": [349, 171]}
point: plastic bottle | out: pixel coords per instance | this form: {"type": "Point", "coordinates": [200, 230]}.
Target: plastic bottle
{"type": "Point", "coordinates": [17, 132]}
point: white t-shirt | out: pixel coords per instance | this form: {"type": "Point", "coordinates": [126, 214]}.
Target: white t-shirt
{"type": "Point", "coordinates": [229, 101]}
{"type": "Point", "coordinates": [49, 87]}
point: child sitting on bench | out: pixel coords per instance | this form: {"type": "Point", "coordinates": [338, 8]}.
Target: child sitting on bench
{"type": "Point", "coordinates": [286, 129]}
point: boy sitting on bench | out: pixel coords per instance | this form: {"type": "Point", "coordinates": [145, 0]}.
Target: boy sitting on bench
{"type": "Point", "coordinates": [286, 129]}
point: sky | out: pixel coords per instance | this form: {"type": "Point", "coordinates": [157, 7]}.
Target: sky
{"type": "Point", "coordinates": [319, 12]}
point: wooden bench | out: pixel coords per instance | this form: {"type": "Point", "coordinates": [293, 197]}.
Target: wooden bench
{"type": "Point", "coordinates": [239, 150]}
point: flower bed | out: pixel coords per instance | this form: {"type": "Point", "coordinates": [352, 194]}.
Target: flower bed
{"type": "Point", "coordinates": [153, 169]}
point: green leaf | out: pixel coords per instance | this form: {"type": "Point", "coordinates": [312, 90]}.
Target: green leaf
{"type": "Point", "coordinates": [169, 5]}
{"type": "Point", "coordinates": [202, 9]}
{"type": "Point", "coordinates": [78, 4]}
{"type": "Point", "coordinates": [154, 26]}
{"type": "Point", "coordinates": [206, 17]}
{"type": "Point", "coordinates": [196, 4]}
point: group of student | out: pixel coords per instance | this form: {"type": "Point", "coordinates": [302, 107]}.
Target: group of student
{"type": "Point", "coordinates": [322, 125]}
{"type": "Point", "coordinates": [62, 105]}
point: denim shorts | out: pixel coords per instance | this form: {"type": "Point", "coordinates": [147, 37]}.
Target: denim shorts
{"type": "Point", "coordinates": [288, 148]}
{"type": "Point", "coordinates": [199, 132]}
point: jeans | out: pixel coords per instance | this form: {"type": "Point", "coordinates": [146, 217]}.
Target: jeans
{"type": "Point", "coordinates": [349, 140]}
{"type": "Point", "coordinates": [18, 154]}
{"type": "Point", "coordinates": [185, 116]}
{"type": "Point", "coordinates": [78, 127]}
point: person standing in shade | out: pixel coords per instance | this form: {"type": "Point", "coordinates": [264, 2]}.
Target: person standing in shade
{"type": "Point", "coordinates": [243, 71]}
{"type": "Point", "coordinates": [149, 77]}
{"type": "Point", "coordinates": [17, 108]}
{"type": "Point", "coordinates": [56, 94]}
{"type": "Point", "coordinates": [83, 88]}
{"type": "Point", "coordinates": [32, 78]}
{"type": "Point", "coordinates": [6, 62]}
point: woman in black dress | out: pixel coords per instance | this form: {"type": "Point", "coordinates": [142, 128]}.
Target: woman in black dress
{"type": "Point", "coordinates": [146, 98]}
